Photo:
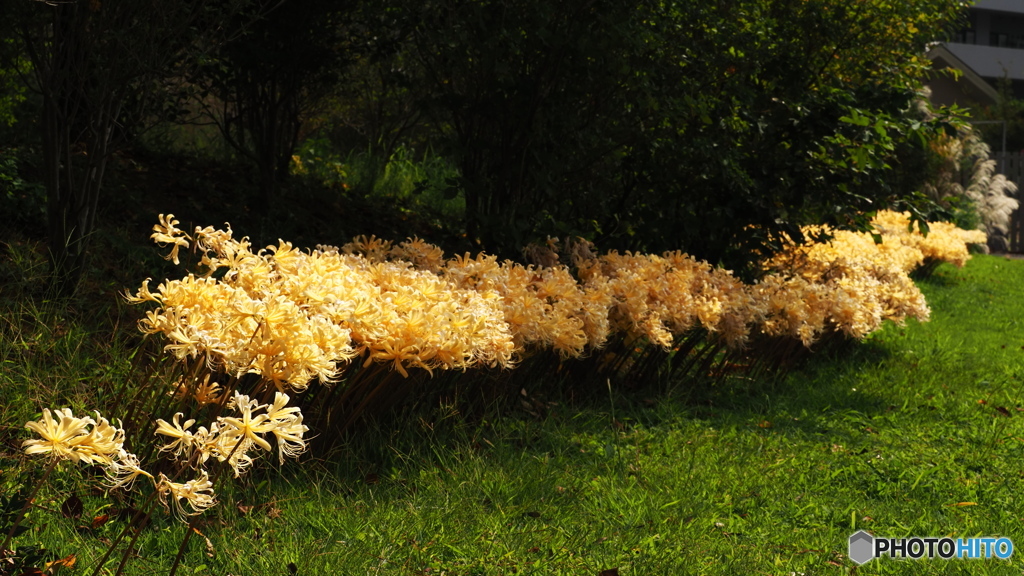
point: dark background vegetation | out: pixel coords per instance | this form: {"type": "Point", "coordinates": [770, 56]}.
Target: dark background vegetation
{"type": "Point", "coordinates": [702, 125]}
{"type": "Point", "coordinates": [711, 127]}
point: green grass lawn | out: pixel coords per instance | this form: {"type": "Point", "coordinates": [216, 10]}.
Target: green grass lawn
{"type": "Point", "coordinates": [917, 431]}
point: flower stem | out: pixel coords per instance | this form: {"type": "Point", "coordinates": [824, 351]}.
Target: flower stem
{"type": "Point", "coordinates": [139, 515]}
{"type": "Point", "coordinates": [191, 523]}
{"type": "Point", "coordinates": [181, 549]}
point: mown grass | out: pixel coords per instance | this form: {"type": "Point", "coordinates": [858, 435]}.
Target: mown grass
{"type": "Point", "coordinates": [919, 430]}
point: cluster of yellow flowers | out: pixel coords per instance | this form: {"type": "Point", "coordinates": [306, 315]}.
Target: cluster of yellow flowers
{"type": "Point", "coordinates": [96, 441]}
{"type": "Point", "coordinates": [292, 316]}
{"type": "Point", "coordinates": [542, 307]}
{"type": "Point", "coordinates": [660, 297]}
{"type": "Point", "coordinates": [853, 283]}
{"type": "Point", "coordinates": [229, 439]}
{"type": "Point", "coordinates": [850, 285]}
{"type": "Point", "coordinates": [944, 241]}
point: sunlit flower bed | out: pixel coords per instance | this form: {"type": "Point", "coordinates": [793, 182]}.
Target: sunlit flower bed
{"type": "Point", "coordinates": [293, 316]}
{"type": "Point", "coordinates": [247, 327]}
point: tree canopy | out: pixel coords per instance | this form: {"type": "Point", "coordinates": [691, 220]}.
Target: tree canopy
{"type": "Point", "coordinates": [707, 126]}
{"type": "Point", "coordinates": [714, 127]}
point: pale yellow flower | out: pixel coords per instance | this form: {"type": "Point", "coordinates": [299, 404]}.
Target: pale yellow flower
{"type": "Point", "coordinates": [288, 428]}
{"type": "Point", "coordinates": [64, 438]}
{"type": "Point", "coordinates": [166, 232]}
{"type": "Point", "coordinates": [184, 441]}
{"type": "Point", "coordinates": [205, 392]}
{"type": "Point", "coordinates": [246, 426]}
{"type": "Point", "coordinates": [124, 470]}
{"type": "Point", "coordinates": [197, 493]}
{"type": "Point", "coordinates": [103, 443]}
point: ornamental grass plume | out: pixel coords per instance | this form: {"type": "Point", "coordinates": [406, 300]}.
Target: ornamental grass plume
{"type": "Point", "coordinates": [966, 171]}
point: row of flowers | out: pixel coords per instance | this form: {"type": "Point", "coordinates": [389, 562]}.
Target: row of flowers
{"type": "Point", "coordinates": [293, 316]}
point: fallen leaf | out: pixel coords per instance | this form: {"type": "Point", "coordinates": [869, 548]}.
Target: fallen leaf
{"type": "Point", "coordinates": [964, 504]}
{"type": "Point", "coordinates": [1002, 410]}
{"type": "Point", "coordinates": [72, 507]}
{"type": "Point", "coordinates": [244, 509]}
{"type": "Point", "coordinates": [66, 562]}
{"type": "Point", "coordinates": [292, 567]}
{"type": "Point", "coordinates": [100, 521]}
{"type": "Point", "coordinates": [609, 572]}
{"type": "Point", "coordinates": [982, 401]}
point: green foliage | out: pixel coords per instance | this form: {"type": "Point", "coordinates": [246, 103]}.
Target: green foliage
{"type": "Point", "coordinates": [12, 90]}
{"type": "Point", "coordinates": [259, 87]}
{"type": "Point", "coordinates": [424, 182]}
{"type": "Point", "coordinates": [316, 159]}
{"type": "Point", "coordinates": [711, 127]}
{"type": "Point", "coordinates": [22, 201]}
{"type": "Point", "coordinates": [19, 558]}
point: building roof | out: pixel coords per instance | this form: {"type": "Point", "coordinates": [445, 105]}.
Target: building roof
{"type": "Point", "coordinates": [990, 61]}
{"type": "Point", "coordinates": [1014, 6]}
{"type": "Point", "coordinates": [970, 85]}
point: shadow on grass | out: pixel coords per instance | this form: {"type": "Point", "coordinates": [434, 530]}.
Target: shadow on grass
{"type": "Point", "coordinates": [552, 416]}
